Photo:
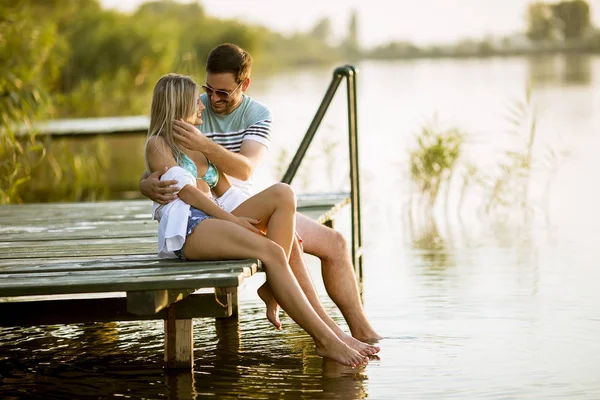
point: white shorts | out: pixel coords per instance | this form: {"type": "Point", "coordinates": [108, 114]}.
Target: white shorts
{"type": "Point", "coordinates": [232, 198]}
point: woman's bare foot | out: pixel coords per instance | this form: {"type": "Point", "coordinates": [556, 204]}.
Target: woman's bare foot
{"type": "Point", "coordinates": [364, 349]}
{"type": "Point", "coordinates": [264, 292]}
{"type": "Point", "coordinates": [340, 352]}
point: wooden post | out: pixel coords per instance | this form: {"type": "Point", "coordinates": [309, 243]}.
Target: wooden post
{"type": "Point", "coordinates": [179, 341]}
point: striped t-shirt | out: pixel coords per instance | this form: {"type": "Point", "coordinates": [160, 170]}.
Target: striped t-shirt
{"type": "Point", "coordinates": [251, 120]}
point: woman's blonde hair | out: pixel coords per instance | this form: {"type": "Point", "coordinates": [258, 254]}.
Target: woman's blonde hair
{"type": "Point", "coordinates": [175, 97]}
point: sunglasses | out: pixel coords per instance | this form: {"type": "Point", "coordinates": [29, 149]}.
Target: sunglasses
{"type": "Point", "coordinates": [224, 94]}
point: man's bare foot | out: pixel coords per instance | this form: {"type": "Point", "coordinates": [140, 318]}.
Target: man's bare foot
{"type": "Point", "coordinates": [367, 334]}
{"type": "Point", "coordinates": [340, 352]}
{"type": "Point", "coordinates": [264, 292]}
{"type": "Point", "coordinates": [364, 349]}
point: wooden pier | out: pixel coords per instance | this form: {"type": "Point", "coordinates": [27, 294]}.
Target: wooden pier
{"type": "Point", "coordinates": [66, 263]}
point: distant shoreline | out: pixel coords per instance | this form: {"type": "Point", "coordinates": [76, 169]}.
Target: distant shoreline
{"type": "Point", "coordinates": [482, 49]}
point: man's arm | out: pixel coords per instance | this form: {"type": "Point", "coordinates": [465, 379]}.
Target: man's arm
{"type": "Point", "coordinates": [156, 190]}
{"type": "Point", "coordinates": [237, 165]}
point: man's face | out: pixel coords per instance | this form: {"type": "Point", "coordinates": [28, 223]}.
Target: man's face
{"type": "Point", "coordinates": [224, 92]}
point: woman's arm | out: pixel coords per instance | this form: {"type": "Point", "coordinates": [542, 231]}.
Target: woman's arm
{"type": "Point", "coordinates": [159, 159]}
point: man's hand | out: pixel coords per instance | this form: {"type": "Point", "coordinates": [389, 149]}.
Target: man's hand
{"type": "Point", "coordinates": [189, 136]}
{"type": "Point", "coordinates": [159, 191]}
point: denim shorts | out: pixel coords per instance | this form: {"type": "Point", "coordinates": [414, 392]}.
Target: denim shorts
{"type": "Point", "coordinates": [196, 216]}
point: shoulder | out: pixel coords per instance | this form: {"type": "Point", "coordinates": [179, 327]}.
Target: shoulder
{"type": "Point", "coordinates": [256, 111]}
{"type": "Point", "coordinates": [155, 143]}
{"type": "Point", "coordinates": [158, 149]}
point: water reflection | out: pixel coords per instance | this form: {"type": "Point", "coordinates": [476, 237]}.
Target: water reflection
{"type": "Point", "coordinates": [433, 248]}
{"type": "Point", "coordinates": [577, 69]}
{"type": "Point", "coordinates": [562, 70]}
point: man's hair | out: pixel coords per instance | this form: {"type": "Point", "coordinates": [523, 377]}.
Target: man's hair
{"type": "Point", "coordinates": [228, 57]}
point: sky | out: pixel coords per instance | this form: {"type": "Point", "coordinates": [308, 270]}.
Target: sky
{"type": "Point", "coordinates": [380, 21]}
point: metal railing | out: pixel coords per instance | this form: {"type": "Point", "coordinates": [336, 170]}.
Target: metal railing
{"type": "Point", "coordinates": [349, 72]}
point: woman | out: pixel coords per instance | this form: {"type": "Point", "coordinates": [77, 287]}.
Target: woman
{"type": "Point", "coordinates": [214, 234]}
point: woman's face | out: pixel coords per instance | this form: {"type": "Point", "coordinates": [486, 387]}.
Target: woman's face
{"type": "Point", "coordinates": [196, 119]}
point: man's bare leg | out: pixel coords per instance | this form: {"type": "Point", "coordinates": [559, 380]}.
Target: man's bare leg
{"type": "Point", "coordinates": [300, 270]}
{"type": "Point", "coordinates": [303, 277]}
{"type": "Point", "coordinates": [338, 274]}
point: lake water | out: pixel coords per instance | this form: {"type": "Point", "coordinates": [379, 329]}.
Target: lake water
{"type": "Point", "coordinates": [503, 305]}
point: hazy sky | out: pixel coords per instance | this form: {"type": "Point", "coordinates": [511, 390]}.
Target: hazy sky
{"type": "Point", "coordinates": [380, 21]}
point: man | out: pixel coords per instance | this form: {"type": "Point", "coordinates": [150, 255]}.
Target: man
{"type": "Point", "coordinates": [236, 135]}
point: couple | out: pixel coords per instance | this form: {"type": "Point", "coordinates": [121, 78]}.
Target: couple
{"type": "Point", "coordinates": [236, 136]}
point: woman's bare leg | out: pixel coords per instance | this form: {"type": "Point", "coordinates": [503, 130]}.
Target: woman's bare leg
{"type": "Point", "coordinates": [271, 198]}
{"type": "Point", "coordinates": [277, 201]}
{"type": "Point", "coordinates": [275, 207]}
{"type": "Point", "coordinates": [220, 240]}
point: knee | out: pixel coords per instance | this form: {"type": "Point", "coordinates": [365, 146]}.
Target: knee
{"type": "Point", "coordinates": [274, 255]}
{"type": "Point", "coordinates": [285, 194]}
{"type": "Point", "coordinates": [337, 243]}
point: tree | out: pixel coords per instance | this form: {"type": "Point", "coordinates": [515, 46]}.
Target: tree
{"type": "Point", "coordinates": [322, 30]}
{"type": "Point", "coordinates": [539, 24]}
{"type": "Point", "coordinates": [351, 46]}
{"type": "Point", "coordinates": [573, 18]}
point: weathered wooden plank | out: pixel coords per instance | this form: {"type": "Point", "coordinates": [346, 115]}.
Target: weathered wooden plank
{"type": "Point", "coordinates": [124, 205]}
{"type": "Point", "coordinates": [50, 312]}
{"type": "Point", "coordinates": [118, 263]}
{"type": "Point", "coordinates": [122, 210]}
{"type": "Point", "coordinates": [99, 211]}
{"type": "Point", "coordinates": [84, 275]}
{"type": "Point", "coordinates": [136, 124]}
{"type": "Point", "coordinates": [107, 283]}
{"type": "Point", "coordinates": [100, 252]}
{"type": "Point", "coordinates": [144, 205]}
{"type": "Point", "coordinates": [69, 231]}
{"type": "Point", "coordinates": [51, 261]}
{"type": "Point", "coordinates": [79, 243]}
{"type": "Point", "coordinates": [105, 229]}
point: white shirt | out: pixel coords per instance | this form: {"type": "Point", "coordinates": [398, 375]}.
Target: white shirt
{"type": "Point", "coordinates": [173, 217]}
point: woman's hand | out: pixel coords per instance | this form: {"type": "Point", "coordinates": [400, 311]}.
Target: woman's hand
{"type": "Point", "coordinates": [188, 136]}
{"type": "Point", "coordinates": [248, 223]}
{"type": "Point", "coordinates": [159, 191]}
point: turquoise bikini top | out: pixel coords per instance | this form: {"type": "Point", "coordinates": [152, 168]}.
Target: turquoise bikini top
{"type": "Point", "coordinates": [211, 176]}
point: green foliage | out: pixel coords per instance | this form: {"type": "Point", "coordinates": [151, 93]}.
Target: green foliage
{"type": "Point", "coordinates": [112, 59]}
{"type": "Point", "coordinates": [350, 46]}
{"type": "Point", "coordinates": [71, 171]}
{"type": "Point", "coordinates": [539, 21]}
{"type": "Point", "coordinates": [503, 186]}
{"type": "Point", "coordinates": [433, 161]}
{"type": "Point", "coordinates": [509, 187]}
{"type": "Point", "coordinates": [322, 30]}
{"type": "Point", "coordinates": [567, 19]}
{"type": "Point", "coordinates": [27, 65]}
{"type": "Point", "coordinates": [573, 18]}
